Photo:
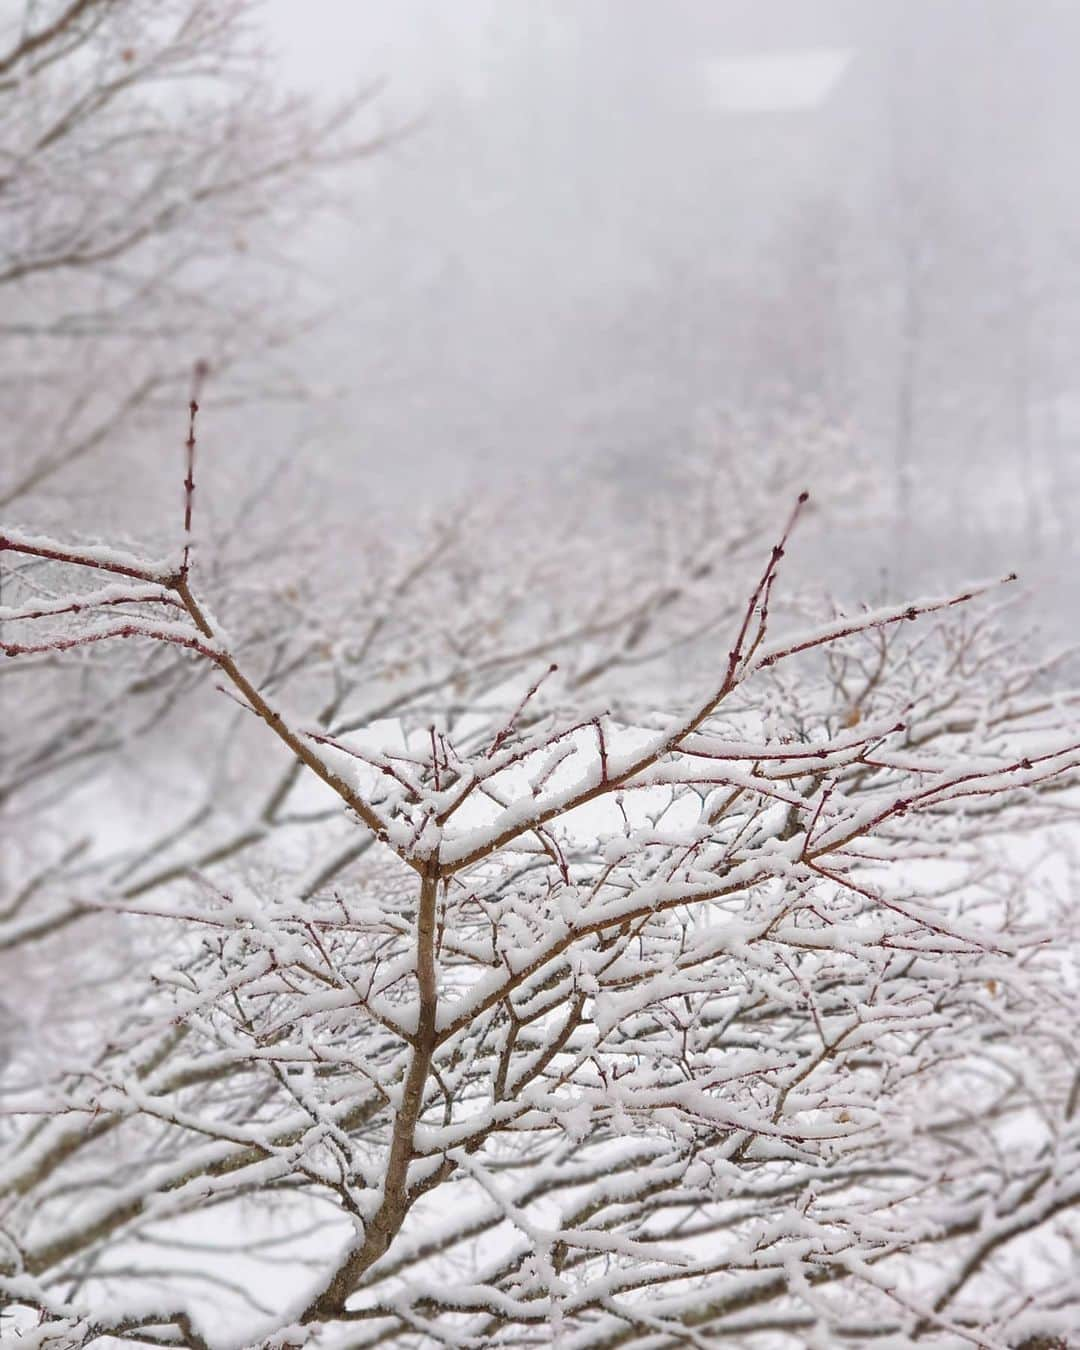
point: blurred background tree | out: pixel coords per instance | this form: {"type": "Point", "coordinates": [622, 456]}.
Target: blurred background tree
{"type": "Point", "coordinates": [150, 168]}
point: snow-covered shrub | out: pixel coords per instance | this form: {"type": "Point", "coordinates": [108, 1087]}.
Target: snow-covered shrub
{"type": "Point", "coordinates": [513, 1014]}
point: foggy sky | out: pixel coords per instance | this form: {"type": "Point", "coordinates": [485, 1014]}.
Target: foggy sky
{"type": "Point", "coordinates": [612, 219]}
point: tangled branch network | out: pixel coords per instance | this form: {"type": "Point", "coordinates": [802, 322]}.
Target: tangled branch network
{"type": "Point", "coordinates": [596, 1026]}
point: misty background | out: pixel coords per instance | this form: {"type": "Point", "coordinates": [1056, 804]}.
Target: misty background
{"type": "Point", "coordinates": [607, 225]}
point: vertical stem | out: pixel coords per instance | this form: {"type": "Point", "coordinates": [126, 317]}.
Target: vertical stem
{"type": "Point", "coordinates": [386, 1222]}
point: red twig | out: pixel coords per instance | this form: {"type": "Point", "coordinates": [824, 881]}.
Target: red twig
{"type": "Point", "coordinates": [90, 555]}
{"type": "Point", "coordinates": [198, 375]}
{"type": "Point", "coordinates": [497, 743]}
{"type": "Point", "coordinates": [193, 641]}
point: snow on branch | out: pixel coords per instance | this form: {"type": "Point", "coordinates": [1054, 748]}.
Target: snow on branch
{"type": "Point", "coordinates": [710, 1022]}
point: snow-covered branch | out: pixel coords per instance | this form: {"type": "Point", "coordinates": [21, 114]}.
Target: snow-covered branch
{"type": "Point", "coordinates": [716, 1021]}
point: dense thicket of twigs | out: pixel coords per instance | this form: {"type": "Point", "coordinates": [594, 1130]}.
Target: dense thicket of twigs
{"type": "Point", "coordinates": [572, 1017]}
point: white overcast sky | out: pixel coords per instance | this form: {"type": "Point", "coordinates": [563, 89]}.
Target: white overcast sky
{"type": "Point", "coordinates": [330, 45]}
{"type": "Point", "coordinates": [418, 45]}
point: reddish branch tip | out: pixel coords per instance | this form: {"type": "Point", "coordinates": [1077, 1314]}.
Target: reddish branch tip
{"type": "Point", "coordinates": [189, 480]}
{"type": "Point", "coordinates": [199, 371]}
{"type": "Point", "coordinates": [804, 497]}
{"type": "Point", "coordinates": [1011, 577]}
